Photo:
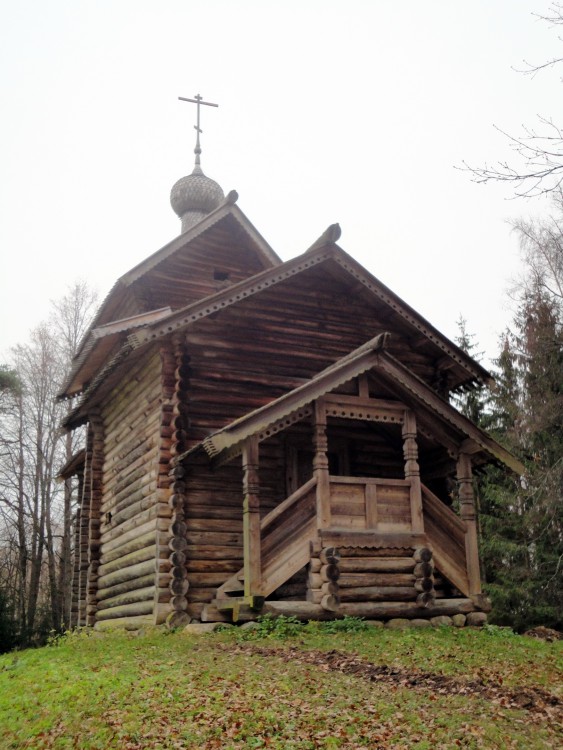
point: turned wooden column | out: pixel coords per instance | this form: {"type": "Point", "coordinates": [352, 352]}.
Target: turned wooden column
{"type": "Point", "coordinates": [320, 466]}
{"type": "Point", "coordinates": [412, 471]}
{"type": "Point", "coordinates": [467, 513]}
{"type": "Point", "coordinates": [251, 519]}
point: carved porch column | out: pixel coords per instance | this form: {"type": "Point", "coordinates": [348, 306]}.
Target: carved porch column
{"type": "Point", "coordinates": [467, 513]}
{"type": "Point", "coordinates": [320, 466]}
{"type": "Point", "coordinates": [251, 519]}
{"type": "Point", "coordinates": [412, 471]}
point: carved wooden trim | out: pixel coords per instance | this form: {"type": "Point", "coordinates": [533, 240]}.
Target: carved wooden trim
{"type": "Point", "coordinates": [467, 513]}
{"type": "Point", "coordinates": [251, 519]}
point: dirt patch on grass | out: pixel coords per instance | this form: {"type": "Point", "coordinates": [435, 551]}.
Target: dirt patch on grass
{"type": "Point", "coordinates": [544, 634]}
{"type": "Point", "coordinates": [535, 700]}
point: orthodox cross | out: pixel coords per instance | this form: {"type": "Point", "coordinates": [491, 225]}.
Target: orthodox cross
{"type": "Point", "coordinates": [198, 100]}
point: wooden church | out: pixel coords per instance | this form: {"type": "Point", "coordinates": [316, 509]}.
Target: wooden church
{"type": "Point", "coordinates": [268, 436]}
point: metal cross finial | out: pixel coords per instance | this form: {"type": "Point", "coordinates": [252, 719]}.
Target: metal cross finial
{"type": "Point", "coordinates": [198, 100]}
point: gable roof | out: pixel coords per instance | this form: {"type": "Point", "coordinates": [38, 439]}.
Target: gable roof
{"type": "Point", "coordinates": [227, 214]}
{"type": "Point", "coordinates": [86, 375]}
{"type": "Point", "coordinates": [295, 405]}
{"type": "Point", "coordinates": [326, 254]}
{"type": "Point", "coordinates": [227, 208]}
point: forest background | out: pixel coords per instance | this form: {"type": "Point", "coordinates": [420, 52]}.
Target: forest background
{"type": "Point", "coordinates": [521, 519]}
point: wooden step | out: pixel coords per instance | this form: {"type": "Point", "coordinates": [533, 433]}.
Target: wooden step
{"type": "Point", "coordinates": [233, 585]}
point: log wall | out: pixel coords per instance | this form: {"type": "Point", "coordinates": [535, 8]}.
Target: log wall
{"type": "Point", "coordinates": [134, 515]}
{"type": "Point", "coordinates": [245, 356]}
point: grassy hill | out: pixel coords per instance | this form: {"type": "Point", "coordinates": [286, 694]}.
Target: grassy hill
{"type": "Point", "coordinates": [285, 686]}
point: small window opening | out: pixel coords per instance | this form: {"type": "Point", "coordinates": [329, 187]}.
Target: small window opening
{"type": "Point", "coordinates": [220, 275]}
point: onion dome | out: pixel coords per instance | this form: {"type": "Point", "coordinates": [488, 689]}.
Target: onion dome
{"type": "Point", "coordinates": [195, 196]}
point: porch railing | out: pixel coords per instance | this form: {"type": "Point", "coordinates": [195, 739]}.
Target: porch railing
{"type": "Point", "coordinates": [446, 533]}
{"type": "Point", "coordinates": [370, 503]}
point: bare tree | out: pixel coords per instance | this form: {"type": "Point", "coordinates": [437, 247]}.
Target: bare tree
{"type": "Point", "coordinates": [538, 167]}
{"type": "Point", "coordinates": [541, 242]}
{"type": "Point", "coordinates": [36, 512]}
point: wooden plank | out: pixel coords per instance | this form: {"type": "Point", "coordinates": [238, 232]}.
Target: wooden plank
{"type": "Point", "coordinates": [288, 503]}
{"type": "Point", "coordinates": [371, 499]}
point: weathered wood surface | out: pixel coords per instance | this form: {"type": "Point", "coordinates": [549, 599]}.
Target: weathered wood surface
{"type": "Point", "coordinates": [446, 533]}
{"type": "Point", "coordinates": [128, 519]}
{"type": "Point", "coordinates": [370, 610]}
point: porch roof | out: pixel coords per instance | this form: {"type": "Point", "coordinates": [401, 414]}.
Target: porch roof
{"type": "Point", "coordinates": [293, 406]}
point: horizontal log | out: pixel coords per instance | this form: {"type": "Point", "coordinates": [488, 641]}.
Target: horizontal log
{"type": "Point", "coordinates": [215, 524]}
{"type": "Point", "coordinates": [422, 554]}
{"type": "Point", "coordinates": [177, 544]}
{"type": "Point", "coordinates": [289, 589]}
{"type": "Point", "coordinates": [161, 611]}
{"type": "Point", "coordinates": [424, 584]}
{"type": "Point", "coordinates": [135, 583]}
{"type": "Point", "coordinates": [202, 594]}
{"type": "Point", "coordinates": [215, 511]}
{"type": "Point", "coordinates": [355, 580]}
{"type": "Point", "coordinates": [155, 525]}
{"type": "Point", "coordinates": [426, 599]}
{"type": "Point", "coordinates": [315, 565]}
{"type": "Point", "coordinates": [136, 595]}
{"type": "Point", "coordinates": [330, 572]}
{"type": "Point", "coordinates": [229, 565]}
{"type": "Point", "coordinates": [179, 586]}
{"type": "Point", "coordinates": [207, 612]}
{"type": "Point", "coordinates": [331, 588]}
{"type": "Point", "coordinates": [125, 623]}
{"type": "Point", "coordinates": [314, 580]}
{"type": "Point", "coordinates": [424, 569]}
{"type": "Point", "coordinates": [329, 556]}
{"type": "Point", "coordinates": [178, 572]}
{"type": "Point", "coordinates": [112, 532]}
{"type": "Point", "coordinates": [145, 552]}
{"type": "Point", "coordinates": [126, 610]}
{"type": "Point", "coordinates": [374, 552]}
{"type": "Point", "coordinates": [314, 596]}
{"type": "Point", "coordinates": [377, 565]}
{"type": "Point", "coordinates": [134, 509]}
{"type": "Point", "coordinates": [219, 539]}
{"type": "Point", "coordinates": [330, 602]}
{"type": "Point", "coordinates": [146, 536]}
{"type": "Point", "coordinates": [131, 494]}
{"type": "Point", "coordinates": [127, 573]}
{"type": "Point", "coordinates": [217, 578]}
{"type": "Point", "coordinates": [386, 610]}
{"type": "Point", "coordinates": [378, 594]}
{"type": "Point", "coordinates": [179, 603]}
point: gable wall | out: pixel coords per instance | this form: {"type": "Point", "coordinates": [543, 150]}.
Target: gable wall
{"type": "Point", "coordinates": [188, 275]}
{"type": "Point", "coordinates": [245, 356]}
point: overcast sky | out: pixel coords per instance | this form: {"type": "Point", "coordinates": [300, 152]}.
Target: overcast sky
{"type": "Point", "coordinates": [349, 111]}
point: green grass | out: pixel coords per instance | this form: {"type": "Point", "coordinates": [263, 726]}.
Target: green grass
{"type": "Point", "coordinates": [218, 691]}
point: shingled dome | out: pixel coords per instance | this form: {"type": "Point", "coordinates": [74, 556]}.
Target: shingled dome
{"type": "Point", "coordinates": [195, 196]}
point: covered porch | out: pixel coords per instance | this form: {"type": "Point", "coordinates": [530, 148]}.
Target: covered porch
{"type": "Point", "coordinates": [334, 515]}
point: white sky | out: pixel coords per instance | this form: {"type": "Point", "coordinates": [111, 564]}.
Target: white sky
{"type": "Point", "coordinates": [353, 111]}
